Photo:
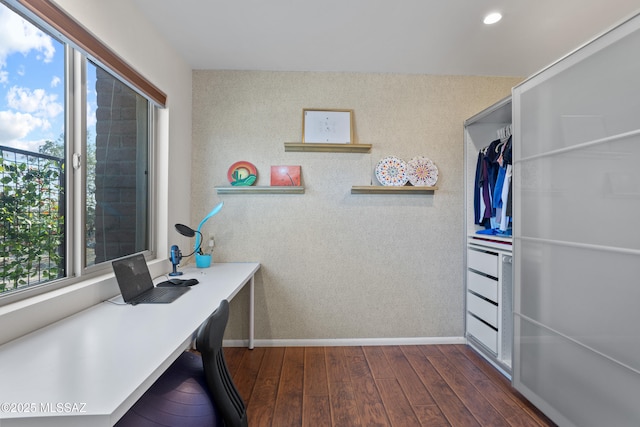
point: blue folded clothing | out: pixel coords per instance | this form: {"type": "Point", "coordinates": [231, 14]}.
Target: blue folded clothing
{"type": "Point", "coordinates": [495, 232]}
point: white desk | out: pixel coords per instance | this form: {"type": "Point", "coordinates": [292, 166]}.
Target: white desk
{"type": "Point", "coordinates": [90, 368]}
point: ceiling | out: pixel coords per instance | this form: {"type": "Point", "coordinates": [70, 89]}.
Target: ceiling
{"type": "Point", "coordinates": [385, 36]}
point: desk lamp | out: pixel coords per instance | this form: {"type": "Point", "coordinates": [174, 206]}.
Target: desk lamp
{"type": "Point", "coordinates": [201, 259]}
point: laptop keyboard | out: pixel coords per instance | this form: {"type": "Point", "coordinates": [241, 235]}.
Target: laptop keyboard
{"type": "Point", "coordinates": [153, 296]}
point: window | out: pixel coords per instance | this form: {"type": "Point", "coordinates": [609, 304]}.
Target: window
{"type": "Point", "coordinates": [117, 165]}
{"type": "Point", "coordinates": [61, 183]}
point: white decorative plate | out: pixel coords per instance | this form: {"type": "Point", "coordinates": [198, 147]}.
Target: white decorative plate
{"type": "Point", "coordinates": [392, 171]}
{"type": "Point", "coordinates": [421, 171]}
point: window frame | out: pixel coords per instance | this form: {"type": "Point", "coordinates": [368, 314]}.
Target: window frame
{"type": "Point", "coordinates": [45, 14]}
{"type": "Point", "coordinates": [80, 47]}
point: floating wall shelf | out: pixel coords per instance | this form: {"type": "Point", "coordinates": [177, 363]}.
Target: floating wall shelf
{"type": "Point", "coordinates": [379, 189]}
{"type": "Point", "coordinates": [327, 148]}
{"type": "Point", "coordinates": [259, 190]}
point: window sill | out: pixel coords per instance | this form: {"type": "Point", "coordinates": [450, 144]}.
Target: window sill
{"type": "Point", "coordinates": [36, 312]}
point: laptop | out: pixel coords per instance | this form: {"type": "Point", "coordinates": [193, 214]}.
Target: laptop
{"type": "Point", "coordinates": [136, 285]}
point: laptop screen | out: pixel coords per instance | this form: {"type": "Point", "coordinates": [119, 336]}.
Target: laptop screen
{"type": "Point", "coordinates": [132, 275]}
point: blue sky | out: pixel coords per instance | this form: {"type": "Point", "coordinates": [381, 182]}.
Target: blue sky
{"type": "Point", "coordinates": [32, 84]}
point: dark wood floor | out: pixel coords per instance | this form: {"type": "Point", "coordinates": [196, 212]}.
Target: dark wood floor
{"type": "Point", "coordinates": [401, 386]}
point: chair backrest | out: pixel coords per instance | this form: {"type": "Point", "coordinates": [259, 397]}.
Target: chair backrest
{"type": "Point", "coordinates": [224, 392]}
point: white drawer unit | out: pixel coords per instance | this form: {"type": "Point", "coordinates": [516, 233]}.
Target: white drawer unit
{"type": "Point", "coordinates": [489, 312]}
{"type": "Point", "coordinates": [483, 333]}
{"type": "Point", "coordinates": [482, 261]}
{"type": "Point", "coordinates": [482, 285]}
{"type": "Point", "coordinates": [486, 311]}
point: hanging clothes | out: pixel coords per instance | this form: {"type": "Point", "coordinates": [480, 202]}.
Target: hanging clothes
{"type": "Point", "coordinates": [482, 193]}
{"type": "Point", "coordinates": [492, 189]}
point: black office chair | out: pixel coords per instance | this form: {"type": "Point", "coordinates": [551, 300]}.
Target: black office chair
{"type": "Point", "coordinates": [223, 391]}
{"type": "Point", "coordinates": [179, 398]}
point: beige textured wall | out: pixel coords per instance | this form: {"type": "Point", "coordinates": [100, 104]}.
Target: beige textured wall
{"type": "Point", "coordinates": [336, 265]}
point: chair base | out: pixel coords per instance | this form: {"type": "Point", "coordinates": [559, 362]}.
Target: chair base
{"type": "Point", "coordinates": [180, 397]}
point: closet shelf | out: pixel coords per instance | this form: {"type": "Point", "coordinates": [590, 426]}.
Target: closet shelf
{"type": "Point", "coordinates": [326, 148]}
{"type": "Point", "coordinates": [260, 190]}
{"type": "Point", "coordinates": [379, 189]}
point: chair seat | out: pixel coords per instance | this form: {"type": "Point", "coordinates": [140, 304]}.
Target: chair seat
{"type": "Point", "coordinates": [180, 397]}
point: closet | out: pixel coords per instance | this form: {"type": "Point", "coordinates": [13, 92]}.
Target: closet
{"type": "Point", "coordinates": [487, 238]}
{"type": "Point", "coordinates": [576, 187]}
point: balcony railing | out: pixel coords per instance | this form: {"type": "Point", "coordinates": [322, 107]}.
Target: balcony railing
{"type": "Point", "coordinates": [32, 238]}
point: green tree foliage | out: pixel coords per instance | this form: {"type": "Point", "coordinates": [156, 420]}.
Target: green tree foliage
{"type": "Point", "coordinates": [31, 224]}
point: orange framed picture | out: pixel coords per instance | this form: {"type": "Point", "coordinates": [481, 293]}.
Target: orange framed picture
{"type": "Point", "coordinates": [285, 176]}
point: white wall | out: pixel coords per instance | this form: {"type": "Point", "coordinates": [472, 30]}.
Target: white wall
{"type": "Point", "coordinates": [125, 30]}
{"type": "Point", "coordinates": [336, 265]}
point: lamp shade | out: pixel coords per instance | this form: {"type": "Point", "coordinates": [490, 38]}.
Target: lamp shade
{"type": "Point", "coordinates": [185, 230]}
{"type": "Point", "coordinates": [198, 234]}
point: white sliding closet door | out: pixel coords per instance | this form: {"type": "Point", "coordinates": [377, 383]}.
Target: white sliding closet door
{"type": "Point", "coordinates": [577, 234]}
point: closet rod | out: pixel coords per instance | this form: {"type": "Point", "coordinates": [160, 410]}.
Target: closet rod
{"type": "Point", "coordinates": [505, 132]}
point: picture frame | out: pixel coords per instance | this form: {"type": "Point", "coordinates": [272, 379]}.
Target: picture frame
{"type": "Point", "coordinates": [327, 126]}
{"type": "Point", "coordinates": [286, 176]}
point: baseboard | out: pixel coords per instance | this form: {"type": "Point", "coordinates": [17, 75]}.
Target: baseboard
{"type": "Point", "coordinates": [346, 342]}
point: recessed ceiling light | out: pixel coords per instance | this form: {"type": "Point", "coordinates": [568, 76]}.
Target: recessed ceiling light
{"type": "Point", "coordinates": [492, 18]}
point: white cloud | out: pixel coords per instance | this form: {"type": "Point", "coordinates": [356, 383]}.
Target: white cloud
{"type": "Point", "coordinates": [91, 116]}
{"type": "Point", "coordinates": [33, 146]}
{"type": "Point", "coordinates": [4, 77]}
{"type": "Point", "coordinates": [19, 36]}
{"type": "Point", "coordinates": [55, 81]}
{"type": "Point", "coordinates": [33, 111]}
{"type": "Point", "coordinates": [36, 102]}
{"type": "Point", "coordinates": [15, 126]}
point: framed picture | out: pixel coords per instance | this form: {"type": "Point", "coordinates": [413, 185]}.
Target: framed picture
{"type": "Point", "coordinates": [285, 176]}
{"type": "Point", "coordinates": [327, 126]}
